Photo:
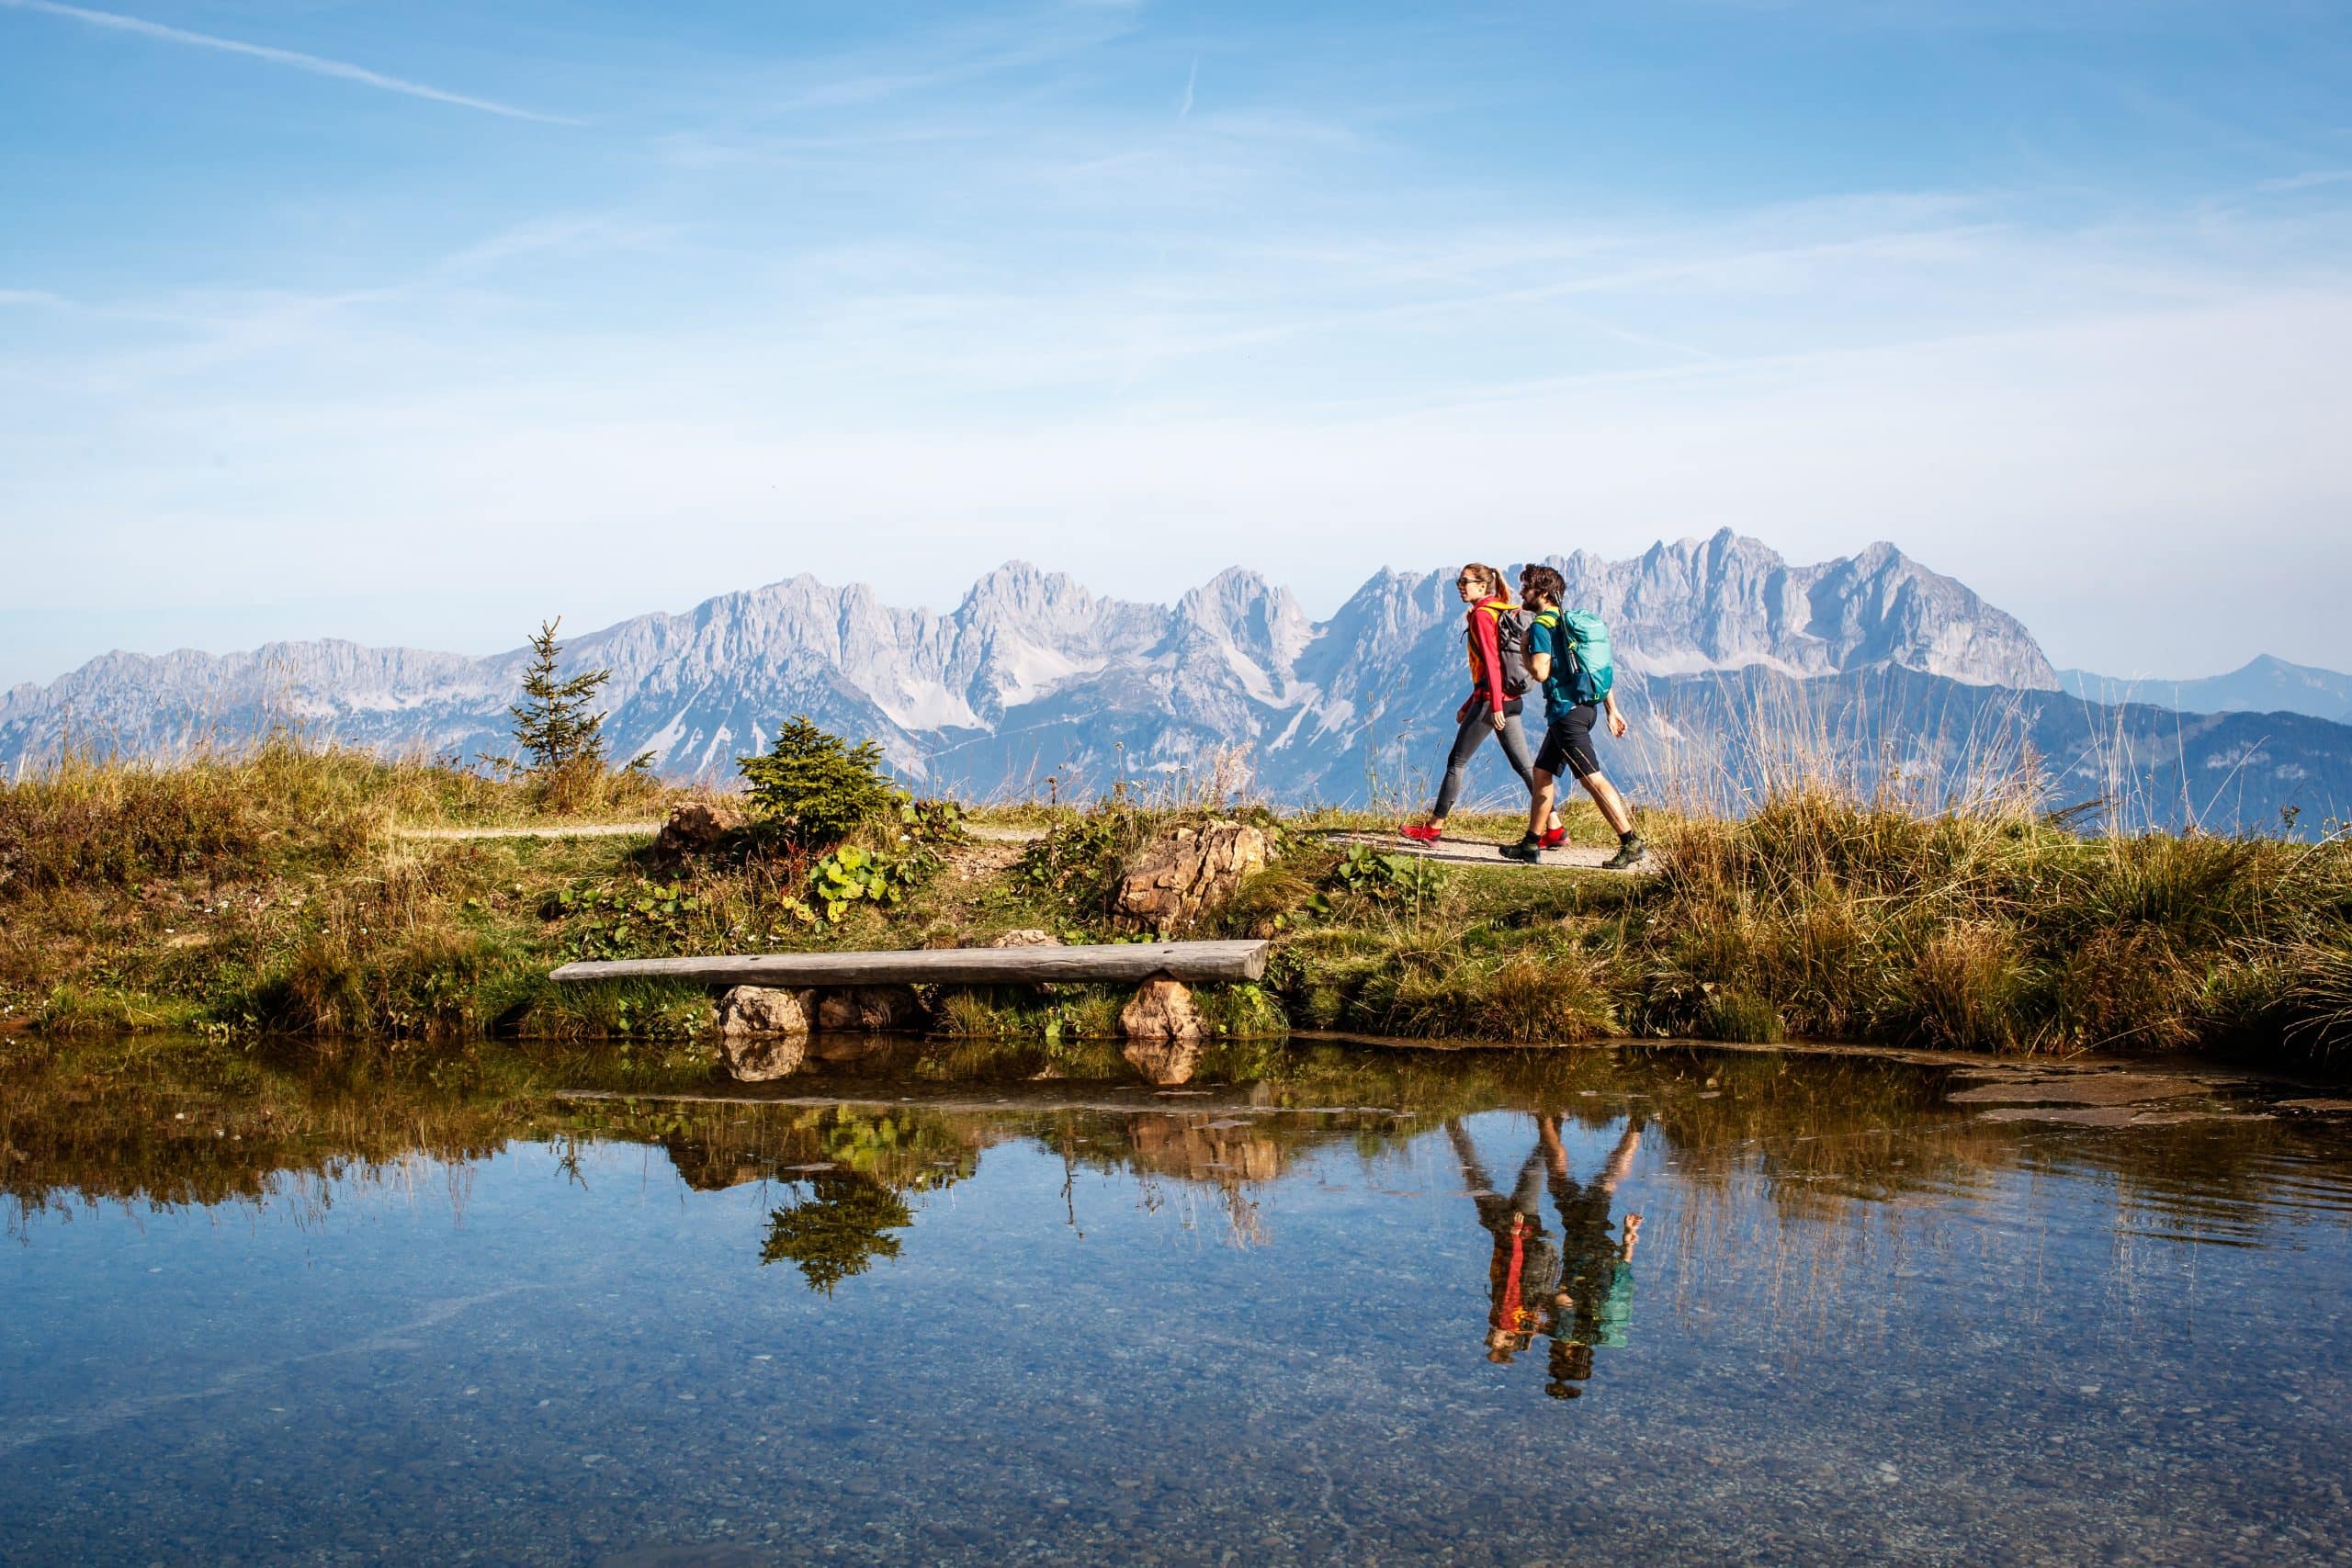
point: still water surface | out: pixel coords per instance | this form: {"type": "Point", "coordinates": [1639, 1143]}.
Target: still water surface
{"type": "Point", "coordinates": [1348, 1308]}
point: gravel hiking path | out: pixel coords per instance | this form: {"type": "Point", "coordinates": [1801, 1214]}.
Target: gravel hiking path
{"type": "Point", "coordinates": [577, 831]}
{"type": "Point", "coordinates": [1478, 851]}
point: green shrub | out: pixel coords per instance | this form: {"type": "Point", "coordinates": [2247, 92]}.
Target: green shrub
{"type": "Point", "coordinates": [813, 788]}
{"type": "Point", "coordinates": [1079, 863]}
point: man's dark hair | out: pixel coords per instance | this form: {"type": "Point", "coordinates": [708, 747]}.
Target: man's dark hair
{"type": "Point", "coordinates": [1544, 582]}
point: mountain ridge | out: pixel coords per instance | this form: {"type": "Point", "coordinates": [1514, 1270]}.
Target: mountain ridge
{"type": "Point", "coordinates": [2264, 684]}
{"type": "Point", "coordinates": [1031, 668]}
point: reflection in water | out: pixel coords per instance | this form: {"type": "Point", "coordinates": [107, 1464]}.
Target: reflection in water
{"type": "Point", "coordinates": [350, 1312]}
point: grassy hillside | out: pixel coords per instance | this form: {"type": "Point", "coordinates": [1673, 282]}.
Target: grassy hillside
{"type": "Point", "coordinates": [284, 892]}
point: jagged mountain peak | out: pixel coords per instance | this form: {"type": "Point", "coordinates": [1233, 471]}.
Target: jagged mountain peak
{"type": "Point", "coordinates": [1239, 604]}
{"type": "Point", "coordinates": [1033, 653]}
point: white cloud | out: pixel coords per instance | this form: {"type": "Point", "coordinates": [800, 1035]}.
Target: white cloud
{"type": "Point", "coordinates": [315, 64]}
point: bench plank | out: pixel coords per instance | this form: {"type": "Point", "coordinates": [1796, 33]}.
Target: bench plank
{"type": "Point", "coordinates": [1109, 963]}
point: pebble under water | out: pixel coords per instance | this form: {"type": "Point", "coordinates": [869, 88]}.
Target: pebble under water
{"type": "Point", "coordinates": [1347, 1307]}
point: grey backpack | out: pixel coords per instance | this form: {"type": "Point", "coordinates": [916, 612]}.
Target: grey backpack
{"type": "Point", "coordinates": [1510, 639]}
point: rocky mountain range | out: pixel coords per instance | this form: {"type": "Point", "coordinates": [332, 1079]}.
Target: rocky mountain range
{"type": "Point", "coordinates": [1033, 679]}
{"type": "Point", "coordinates": [1234, 661]}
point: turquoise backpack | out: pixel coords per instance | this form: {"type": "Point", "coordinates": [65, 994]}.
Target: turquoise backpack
{"type": "Point", "coordinates": [1592, 666]}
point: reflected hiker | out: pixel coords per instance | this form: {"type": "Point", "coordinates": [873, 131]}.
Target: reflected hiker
{"type": "Point", "coordinates": [1496, 633]}
{"type": "Point", "coordinates": [1596, 1297]}
{"type": "Point", "coordinates": [1524, 1274]}
{"type": "Point", "coordinates": [1569, 655]}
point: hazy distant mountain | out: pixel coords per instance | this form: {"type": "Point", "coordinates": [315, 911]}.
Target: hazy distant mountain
{"type": "Point", "coordinates": [1031, 675]}
{"type": "Point", "coordinates": [2267, 686]}
{"type": "Point", "coordinates": [1717, 736]}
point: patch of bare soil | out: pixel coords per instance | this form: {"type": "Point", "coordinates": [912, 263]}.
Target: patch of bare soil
{"type": "Point", "coordinates": [978, 860]}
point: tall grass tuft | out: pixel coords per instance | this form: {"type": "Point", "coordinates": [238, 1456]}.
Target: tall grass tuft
{"type": "Point", "coordinates": [1981, 925]}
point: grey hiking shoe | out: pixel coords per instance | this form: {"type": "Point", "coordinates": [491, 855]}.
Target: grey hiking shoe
{"type": "Point", "coordinates": [1630, 850]}
{"type": "Point", "coordinates": [1527, 850]}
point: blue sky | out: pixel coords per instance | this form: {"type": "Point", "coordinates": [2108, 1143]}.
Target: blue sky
{"type": "Point", "coordinates": [417, 323]}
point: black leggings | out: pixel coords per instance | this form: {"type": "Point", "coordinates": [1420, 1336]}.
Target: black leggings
{"type": "Point", "coordinates": [1474, 729]}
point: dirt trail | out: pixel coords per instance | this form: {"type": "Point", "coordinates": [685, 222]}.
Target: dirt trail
{"type": "Point", "coordinates": [1474, 851]}
{"type": "Point", "coordinates": [574, 830]}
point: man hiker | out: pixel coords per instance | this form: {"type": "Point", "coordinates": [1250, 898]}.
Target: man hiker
{"type": "Point", "coordinates": [1596, 1299]}
{"type": "Point", "coordinates": [1567, 655]}
{"type": "Point", "coordinates": [1495, 634]}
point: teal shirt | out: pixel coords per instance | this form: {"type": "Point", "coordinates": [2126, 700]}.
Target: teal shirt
{"type": "Point", "coordinates": [1617, 1308]}
{"type": "Point", "coordinates": [1545, 637]}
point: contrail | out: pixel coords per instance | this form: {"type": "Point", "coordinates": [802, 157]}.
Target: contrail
{"type": "Point", "coordinates": [310, 62]}
{"type": "Point", "coordinates": [1191, 77]}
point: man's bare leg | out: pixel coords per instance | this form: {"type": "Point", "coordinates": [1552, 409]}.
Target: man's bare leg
{"type": "Point", "coordinates": [1613, 809]}
{"type": "Point", "coordinates": [1539, 805]}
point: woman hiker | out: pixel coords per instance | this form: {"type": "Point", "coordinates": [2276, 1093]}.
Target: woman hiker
{"type": "Point", "coordinates": [1491, 703]}
{"type": "Point", "coordinates": [1524, 1275]}
{"type": "Point", "coordinates": [1568, 735]}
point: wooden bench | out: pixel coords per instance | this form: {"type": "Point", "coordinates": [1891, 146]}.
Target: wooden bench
{"type": "Point", "coordinates": [1110, 964]}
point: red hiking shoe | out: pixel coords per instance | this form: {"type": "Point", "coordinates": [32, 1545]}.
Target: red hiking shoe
{"type": "Point", "coordinates": [1555, 837]}
{"type": "Point", "coordinates": [1425, 834]}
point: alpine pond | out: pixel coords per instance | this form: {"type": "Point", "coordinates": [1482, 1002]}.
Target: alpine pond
{"type": "Point", "coordinates": [1686, 1304]}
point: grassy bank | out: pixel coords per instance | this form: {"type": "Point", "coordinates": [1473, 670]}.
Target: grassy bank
{"type": "Point", "coordinates": [277, 893]}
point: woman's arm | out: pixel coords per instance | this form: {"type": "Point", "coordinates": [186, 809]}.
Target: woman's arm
{"type": "Point", "coordinates": [1616, 719]}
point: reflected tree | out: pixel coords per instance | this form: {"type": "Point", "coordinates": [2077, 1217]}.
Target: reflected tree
{"type": "Point", "coordinates": [838, 1231]}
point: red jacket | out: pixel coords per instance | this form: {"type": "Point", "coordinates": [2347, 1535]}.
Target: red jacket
{"type": "Point", "coordinates": [1486, 651]}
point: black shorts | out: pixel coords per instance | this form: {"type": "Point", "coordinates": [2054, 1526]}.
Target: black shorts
{"type": "Point", "coordinates": [1567, 745]}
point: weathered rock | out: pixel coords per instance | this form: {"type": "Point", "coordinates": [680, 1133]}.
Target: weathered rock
{"type": "Point", "coordinates": [764, 1032]}
{"type": "Point", "coordinates": [1160, 1009]}
{"type": "Point", "coordinates": [757, 1058]}
{"type": "Point", "coordinates": [869, 1007]}
{"type": "Point", "coordinates": [694, 828]}
{"type": "Point", "coordinates": [746, 1011]}
{"type": "Point", "coordinates": [1027, 936]}
{"type": "Point", "coordinates": [1166, 1063]}
{"type": "Point", "coordinates": [1187, 871]}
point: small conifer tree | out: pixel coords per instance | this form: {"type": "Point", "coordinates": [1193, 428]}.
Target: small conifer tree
{"type": "Point", "coordinates": [554, 727]}
{"type": "Point", "coordinates": [813, 787]}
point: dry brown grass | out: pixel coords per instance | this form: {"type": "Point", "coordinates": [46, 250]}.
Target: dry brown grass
{"type": "Point", "coordinates": [1981, 926]}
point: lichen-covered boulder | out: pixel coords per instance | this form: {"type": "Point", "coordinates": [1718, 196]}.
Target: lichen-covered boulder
{"type": "Point", "coordinates": [1160, 1009]}
{"type": "Point", "coordinates": [694, 828]}
{"type": "Point", "coordinates": [1186, 871]}
{"type": "Point", "coordinates": [869, 1007]}
{"type": "Point", "coordinates": [764, 1032]}
{"type": "Point", "coordinates": [1027, 936]}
